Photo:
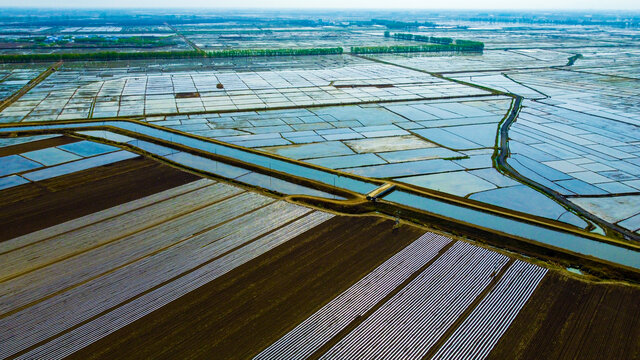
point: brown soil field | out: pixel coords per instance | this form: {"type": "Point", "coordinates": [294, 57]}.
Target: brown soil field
{"type": "Point", "coordinates": [567, 318]}
{"type": "Point", "coordinates": [242, 312]}
{"type": "Point", "coordinates": [34, 206]}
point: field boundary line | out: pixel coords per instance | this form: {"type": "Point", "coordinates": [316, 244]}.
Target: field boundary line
{"type": "Point", "coordinates": [30, 85]}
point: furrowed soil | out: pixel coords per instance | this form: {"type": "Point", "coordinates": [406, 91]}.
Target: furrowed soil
{"type": "Point", "coordinates": [567, 318]}
{"type": "Point", "coordinates": [244, 311]}
{"type": "Point", "coordinates": [34, 206]}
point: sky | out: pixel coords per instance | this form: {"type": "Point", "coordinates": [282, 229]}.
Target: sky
{"type": "Point", "coordinates": [325, 4]}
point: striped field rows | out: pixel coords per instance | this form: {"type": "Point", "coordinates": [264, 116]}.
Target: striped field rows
{"type": "Point", "coordinates": [408, 324]}
{"type": "Point", "coordinates": [68, 286]}
{"type": "Point", "coordinates": [43, 252]}
{"type": "Point", "coordinates": [423, 311]}
{"type": "Point", "coordinates": [479, 333]}
{"type": "Point", "coordinates": [125, 251]}
{"type": "Point", "coordinates": [132, 260]}
{"type": "Point", "coordinates": [96, 329]}
{"type": "Point", "coordinates": [99, 216]}
{"type": "Point", "coordinates": [311, 334]}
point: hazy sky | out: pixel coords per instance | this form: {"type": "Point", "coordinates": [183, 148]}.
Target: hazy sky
{"type": "Point", "coordinates": [365, 4]}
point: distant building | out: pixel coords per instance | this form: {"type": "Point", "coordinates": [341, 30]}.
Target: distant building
{"type": "Point", "coordinates": [52, 39]}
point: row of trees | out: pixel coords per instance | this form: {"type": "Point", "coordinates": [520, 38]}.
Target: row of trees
{"type": "Point", "coordinates": [114, 55]}
{"type": "Point", "coordinates": [436, 40]}
{"type": "Point", "coordinates": [417, 48]}
{"type": "Point", "coordinates": [471, 44]}
{"type": "Point", "coordinates": [99, 55]}
{"type": "Point", "coordinates": [129, 40]}
{"type": "Point", "coordinates": [394, 24]}
{"type": "Point", "coordinates": [275, 52]}
{"type": "Point", "coordinates": [464, 45]}
{"type": "Point", "coordinates": [423, 38]}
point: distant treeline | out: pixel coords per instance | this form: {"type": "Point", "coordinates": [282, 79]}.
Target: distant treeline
{"type": "Point", "coordinates": [393, 24]}
{"type": "Point", "coordinates": [471, 45]}
{"type": "Point", "coordinates": [419, 48]}
{"type": "Point", "coordinates": [429, 39]}
{"type": "Point", "coordinates": [99, 55]}
{"type": "Point", "coordinates": [69, 41]}
{"type": "Point", "coordinates": [275, 52]}
{"type": "Point", "coordinates": [630, 21]}
{"type": "Point", "coordinates": [115, 17]}
{"type": "Point", "coordinates": [128, 40]}
{"type": "Point", "coordinates": [439, 44]}
{"type": "Point", "coordinates": [114, 55]}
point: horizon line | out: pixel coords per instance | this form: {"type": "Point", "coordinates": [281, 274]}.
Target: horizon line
{"type": "Point", "coordinates": [311, 8]}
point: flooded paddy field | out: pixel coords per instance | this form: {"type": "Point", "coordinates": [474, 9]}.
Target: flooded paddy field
{"type": "Point", "coordinates": [404, 125]}
{"type": "Point", "coordinates": [242, 38]}
{"type": "Point", "coordinates": [14, 77]}
{"type": "Point", "coordinates": [77, 94]}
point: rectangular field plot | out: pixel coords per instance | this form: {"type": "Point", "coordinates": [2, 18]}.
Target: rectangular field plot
{"type": "Point", "coordinates": [433, 292]}
{"type": "Point", "coordinates": [407, 325]}
{"type": "Point", "coordinates": [314, 332]}
{"type": "Point", "coordinates": [152, 250]}
{"type": "Point", "coordinates": [102, 326]}
{"type": "Point", "coordinates": [478, 334]}
{"type": "Point", "coordinates": [35, 159]}
{"type": "Point", "coordinates": [14, 77]}
{"type": "Point", "coordinates": [75, 94]}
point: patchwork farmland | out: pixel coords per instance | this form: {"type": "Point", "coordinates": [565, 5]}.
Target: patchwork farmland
{"type": "Point", "coordinates": [319, 185]}
{"type": "Point", "coordinates": [142, 273]}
